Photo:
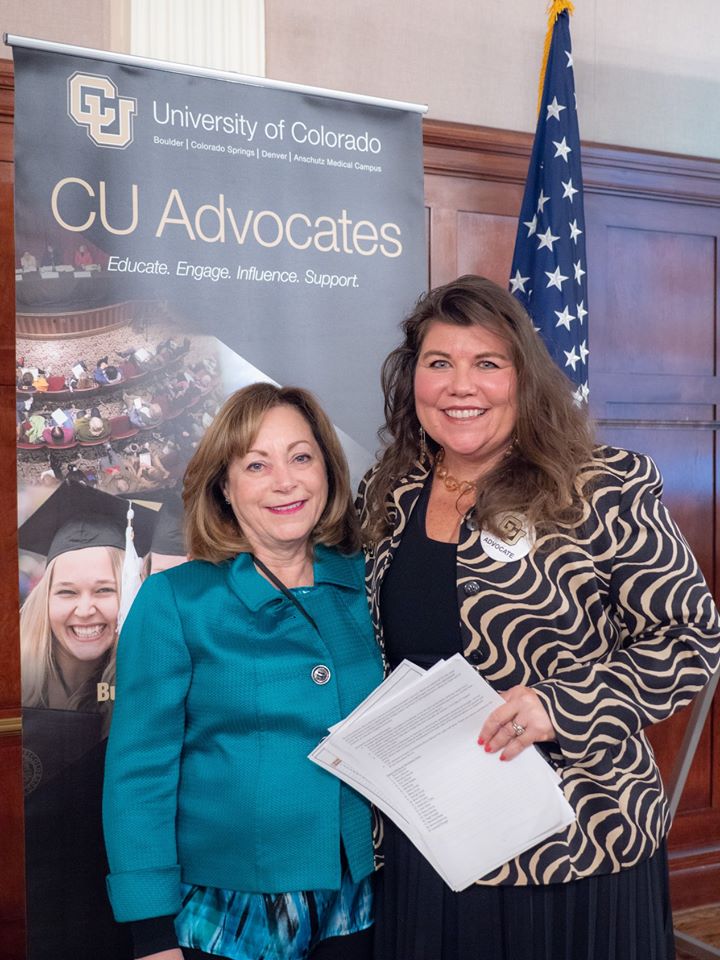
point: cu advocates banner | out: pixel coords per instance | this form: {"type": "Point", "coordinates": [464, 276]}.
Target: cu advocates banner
{"type": "Point", "coordinates": [177, 237]}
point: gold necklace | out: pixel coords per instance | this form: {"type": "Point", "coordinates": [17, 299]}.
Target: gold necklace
{"type": "Point", "coordinates": [451, 483]}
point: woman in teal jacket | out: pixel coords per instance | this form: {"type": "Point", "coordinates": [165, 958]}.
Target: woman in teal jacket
{"type": "Point", "coordinates": [223, 839]}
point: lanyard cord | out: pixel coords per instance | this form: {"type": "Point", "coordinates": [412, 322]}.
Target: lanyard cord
{"type": "Point", "coordinates": [276, 581]}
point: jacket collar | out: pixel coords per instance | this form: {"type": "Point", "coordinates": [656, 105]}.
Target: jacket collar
{"type": "Point", "coordinates": [329, 566]}
{"type": "Point", "coordinates": [407, 489]}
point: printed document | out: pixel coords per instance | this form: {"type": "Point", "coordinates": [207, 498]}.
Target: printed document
{"type": "Point", "coordinates": [411, 749]}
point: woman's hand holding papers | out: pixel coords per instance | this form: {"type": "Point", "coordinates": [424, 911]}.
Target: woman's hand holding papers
{"type": "Point", "coordinates": [521, 721]}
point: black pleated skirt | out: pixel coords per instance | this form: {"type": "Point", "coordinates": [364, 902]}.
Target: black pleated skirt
{"type": "Point", "coordinates": [621, 916]}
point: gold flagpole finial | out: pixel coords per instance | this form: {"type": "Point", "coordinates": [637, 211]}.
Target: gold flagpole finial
{"type": "Point", "coordinates": [554, 10]}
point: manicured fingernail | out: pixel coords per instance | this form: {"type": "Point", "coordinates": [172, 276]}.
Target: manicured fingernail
{"type": "Point", "coordinates": [488, 748]}
{"type": "Point", "coordinates": [480, 741]}
{"type": "Point", "coordinates": [503, 757]}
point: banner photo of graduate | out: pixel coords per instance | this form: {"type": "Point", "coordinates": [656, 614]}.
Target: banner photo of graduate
{"type": "Point", "coordinates": [177, 237]}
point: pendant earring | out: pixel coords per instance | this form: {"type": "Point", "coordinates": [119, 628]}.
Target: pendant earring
{"type": "Point", "coordinates": [423, 445]}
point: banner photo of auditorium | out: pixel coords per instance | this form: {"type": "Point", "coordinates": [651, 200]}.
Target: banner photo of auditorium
{"type": "Point", "coordinates": [177, 237]}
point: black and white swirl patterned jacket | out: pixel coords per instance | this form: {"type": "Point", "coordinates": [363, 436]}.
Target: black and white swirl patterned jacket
{"type": "Point", "coordinates": [613, 626]}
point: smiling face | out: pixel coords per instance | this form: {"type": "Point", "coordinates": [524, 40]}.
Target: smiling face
{"type": "Point", "coordinates": [466, 395]}
{"type": "Point", "coordinates": [83, 604]}
{"type": "Point", "coordinates": [279, 489]}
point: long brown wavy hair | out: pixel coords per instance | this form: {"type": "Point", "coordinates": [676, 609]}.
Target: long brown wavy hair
{"type": "Point", "coordinates": [541, 475]}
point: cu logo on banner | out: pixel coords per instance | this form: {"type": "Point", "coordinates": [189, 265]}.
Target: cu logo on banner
{"type": "Point", "coordinates": [94, 103]}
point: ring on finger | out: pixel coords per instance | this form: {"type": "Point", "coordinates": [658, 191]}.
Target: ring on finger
{"type": "Point", "coordinates": [518, 728]}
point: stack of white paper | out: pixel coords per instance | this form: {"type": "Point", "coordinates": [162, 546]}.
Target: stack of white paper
{"type": "Point", "coordinates": [411, 749]}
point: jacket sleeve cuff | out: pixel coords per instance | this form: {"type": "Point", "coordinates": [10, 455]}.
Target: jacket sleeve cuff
{"type": "Point", "coordinates": [570, 728]}
{"type": "Point", "coordinates": [139, 894]}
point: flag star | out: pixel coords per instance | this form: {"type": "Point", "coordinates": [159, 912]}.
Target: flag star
{"type": "Point", "coordinates": [562, 149]}
{"type": "Point", "coordinates": [579, 272]}
{"type": "Point", "coordinates": [555, 279]}
{"type": "Point", "coordinates": [542, 200]}
{"type": "Point", "coordinates": [564, 318]}
{"type": "Point", "coordinates": [581, 395]}
{"type": "Point", "coordinates": [553, 109]}
{"type": "Point", "coordinates": [572, 358]}
{"type": "Point", "coordinates": [568, 54]}
{"type": "Point", "coordinates": [546, 239]}
{"type": "Point", "coordinates": [575, 231]}
{"type": "Point", "coordinates": [581, 311]}
{"type": "Point", "coordinates": [570, 190]}
{"type": "Point", "coordinates": [531, 225]}
{"type": "Point", "coordinates": [518, 282]}
{"type": "Point", "coordinates": [583, 351]}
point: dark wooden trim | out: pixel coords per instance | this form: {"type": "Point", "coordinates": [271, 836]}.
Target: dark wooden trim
{"type": "Point", "coordinates": [656, 388]}
{"type": "Point", "coordinates": [7, 91]}
{"type": "Point", "coordinates": [694, 877]}
{"type": "Point", "coordinates": [459, 149]}
{"type": "Point", "coordinates": [10, 726]}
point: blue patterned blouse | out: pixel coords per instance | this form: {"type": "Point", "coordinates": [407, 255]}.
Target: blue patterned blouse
{"type": "Point", "coordinates": [282, 926]}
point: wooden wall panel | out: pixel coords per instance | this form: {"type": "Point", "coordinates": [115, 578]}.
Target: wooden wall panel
{"type": "Point", "coordinates": [12, 875]}
{"type": "Point", "coordinates": [485, 244]}
{"type": "Point", "coordinates": [656, 282]}
{"type": "Point", "coordinates": [472, 227]}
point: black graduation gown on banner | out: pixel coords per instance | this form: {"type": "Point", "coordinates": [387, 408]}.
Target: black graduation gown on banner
{"type": "Point", "coordinates": [68, 912]}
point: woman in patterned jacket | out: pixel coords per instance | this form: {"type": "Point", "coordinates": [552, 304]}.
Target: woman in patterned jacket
{"type": "Point", "coordinates": [495, 528]}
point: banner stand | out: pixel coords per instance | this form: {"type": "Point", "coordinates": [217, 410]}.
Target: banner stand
{"type": "Point", "coordinates": [10, 40]}
{"type": "Point", "coordinates": [179, 233]}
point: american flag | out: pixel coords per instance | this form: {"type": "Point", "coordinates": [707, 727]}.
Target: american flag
{"type": "Point", "coordinates": [548, 273]}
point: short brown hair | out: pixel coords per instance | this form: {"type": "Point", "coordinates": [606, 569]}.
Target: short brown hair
{"type": "Point", "coordinates": [212, 530]}
{"type": "Point", "coordinates": [552, 435]}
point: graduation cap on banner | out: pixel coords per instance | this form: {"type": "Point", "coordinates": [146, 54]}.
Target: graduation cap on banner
{"type": "Point", "coordinates": [75, 516]}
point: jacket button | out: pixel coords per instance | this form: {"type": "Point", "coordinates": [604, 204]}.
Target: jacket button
{"type": "Point", "coordinates": [475, 657]}
{"type": "Point", "coordinates": [320, 674]}
{"type": "Point", "coordinates": [471, 588]}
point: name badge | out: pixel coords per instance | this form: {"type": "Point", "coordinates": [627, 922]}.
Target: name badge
{"type": "Point", "coordinates": [516, 541]}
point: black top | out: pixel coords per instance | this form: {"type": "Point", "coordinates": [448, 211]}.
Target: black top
{"type": "Point", "coordinates": [418, 599]}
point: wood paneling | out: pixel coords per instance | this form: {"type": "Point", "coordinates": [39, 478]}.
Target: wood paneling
{"type": "Point", "coordinates": [12, 884]}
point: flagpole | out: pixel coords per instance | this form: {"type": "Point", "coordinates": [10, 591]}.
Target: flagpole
{"type": "Point", "coordinates": [554, 11]}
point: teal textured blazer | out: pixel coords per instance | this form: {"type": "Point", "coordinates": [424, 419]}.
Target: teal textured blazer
{"type": "Point", "coordinates": [217, 706]}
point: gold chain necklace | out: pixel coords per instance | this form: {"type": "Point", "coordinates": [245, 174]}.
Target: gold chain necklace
{"type": "Point", "coordinates": [451, 483]}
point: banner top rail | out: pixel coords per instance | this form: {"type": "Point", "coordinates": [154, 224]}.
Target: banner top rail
{"type": "Point", "coordinates": [170, 66]}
